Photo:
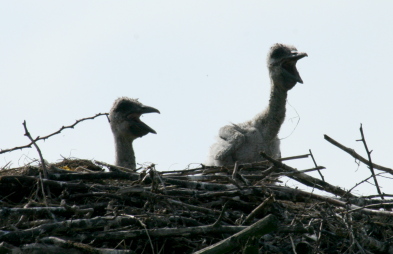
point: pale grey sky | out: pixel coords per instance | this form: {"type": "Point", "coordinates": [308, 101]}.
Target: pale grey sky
{"type": "Point", "coordinates": [203, 65]}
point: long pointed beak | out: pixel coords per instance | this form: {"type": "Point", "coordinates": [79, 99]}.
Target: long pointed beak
{"type": "Point", "coordinates": [289, 65]}
{"type": "Point", "coordinates": [144, 110]}
{"type": "Point", "coordinates": [148, 109]}
{"type": "Point", "coordinates": [147, 128]}
{"type": "Point", "coordinates": [297, 55]}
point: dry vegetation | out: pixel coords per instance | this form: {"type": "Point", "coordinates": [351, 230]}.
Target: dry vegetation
{"type": "Point", "coordinates": [81, 206]}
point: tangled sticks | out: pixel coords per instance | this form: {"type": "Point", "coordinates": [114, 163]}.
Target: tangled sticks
{"type": "Point", "coordinates": [93, 206]}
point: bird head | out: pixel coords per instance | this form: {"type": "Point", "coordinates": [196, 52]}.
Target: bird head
{"type": "Point", "coordinates": [125, 118]}
{"type": "Point", "coordinates": [281, 61]}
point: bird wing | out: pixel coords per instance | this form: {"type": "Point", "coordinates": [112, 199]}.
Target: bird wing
{"type": "Point", "coordinates": [232, 138]}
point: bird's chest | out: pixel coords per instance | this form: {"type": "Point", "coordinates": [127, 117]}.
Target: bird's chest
{"type": "Point", "coordinates": [254, 143]}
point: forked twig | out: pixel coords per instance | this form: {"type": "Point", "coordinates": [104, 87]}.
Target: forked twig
{"type": "Point", "coordinates": [370, 163]}
{"type": "Point", "coordinates": [363, 181]}
{"type": "Point", "coordinates": [356, 155]}
{"type": "Point", "coordinates": [315, 163]}
{"type": "Point", "coordinates": [44, 170]}
{"type": "Point", "coordinates": [52, 134]}
{"type": "Point", "coordinates": [27, 134]}
{"type": "Point", "coordinates": [308, 180]}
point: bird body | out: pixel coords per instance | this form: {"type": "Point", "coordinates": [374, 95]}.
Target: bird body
{"type": "Point", "coordinates": [243, 142]}
{"type": "Point", "coordinates": [126, 126]}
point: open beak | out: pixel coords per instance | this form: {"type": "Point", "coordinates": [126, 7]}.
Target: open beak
{"type": "Point", "coordinates": [146, 128]}
{"type": "Point", "coordinates": [140, 128]}
{"type": "Point", "coordinates": [289, 65]}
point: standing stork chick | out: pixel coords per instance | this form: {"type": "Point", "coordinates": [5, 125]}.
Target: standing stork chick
{"type": "Point", "coordinates": [243, 142]}
{"type": "Point", "coordinates": [126, 126]}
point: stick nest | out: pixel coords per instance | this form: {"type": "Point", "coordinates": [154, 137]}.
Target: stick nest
{"type": "Point", "coordinates": [94, 207]}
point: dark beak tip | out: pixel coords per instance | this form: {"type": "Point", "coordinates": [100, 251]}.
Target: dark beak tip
{"type": "Point", "coordinates": [148, 109]}
{"type": "Point", "coordinates": [302, 54]}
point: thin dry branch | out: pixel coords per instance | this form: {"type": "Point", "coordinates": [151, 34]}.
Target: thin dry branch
{"type": "Point", "coordinates": [43, 164]}
{"type": "Point", "coordinates": [52, 134]}
{"type": "Point", "coordinates": [64, 226]}
{"type": "Point", "coordinates": [258, 210]}
{"type": "Point", "coordinates": [370, 163]}
{"type": "Point", "coordinates": [356, 155]}
{"type": "Point", "coordinates": [299, 195]}
{"type": "Point", "coordinates": [161, 232]}
{"type": "Point", "coordinates": [309, 180]}
{"type": "Point", "coordinates": [259, 228]}
{"type": "Point", "coordinates": [363, 181]}
{"type": "Point", "coordinates": [316, 165]}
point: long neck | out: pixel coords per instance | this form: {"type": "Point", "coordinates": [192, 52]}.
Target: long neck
{"type": "Point", "coordinates": [125, 156]}
{"type": "Point", "coordinates": [270, 120]}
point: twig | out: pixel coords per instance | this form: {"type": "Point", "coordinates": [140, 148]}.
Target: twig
{"type": "Point", "coordinates": [315, 164]}
{"type": "Point", "coordinates": [235, 170]}
{"type": "Point", "coordinates": [296, 194]}
{"type": "Point", "coordinates": [156, 174]}
{"type": "Point", "coordinates": [370, 164]}
{"type": "Point", "coordinates": [52, 134]}
{"type": "Point", "coordinates": [293, 245]}
{"type": "Point", "coordinates": [370, 206]}
{"type": "Point", "coordinates": [377, 196]}
{"type": "Point", "coordinates": [237, 176]}
{"type": "Point", "coordinates": [43, 165]}
{"type": "Point", "coordinates": [356, 155]}
{"type": "Point", "coordinates": [294, 157]}
{"type": "Point", "coordinates": [259, 228]}
{"type": "Point", "coordinates": [218, 221]}
{"type": "Point", "coordinates": [268, 171]}
{"type": "Point", "coordinates": [27, 134]}
{"type": "Point", "coordinates": [114, 167]}
{"type": "Point", "coordinates": [308, 180]}
{"type": "Point", "coordinates": [300, 171]}
{"type": "Point", "coordinates": [41, 184]}
{"type": "Point", "coordinates": [363, 181]}
{"type": "Point", "coordinates": [258, 210]}
{"type": "Point", "coordinates": [147, 232]}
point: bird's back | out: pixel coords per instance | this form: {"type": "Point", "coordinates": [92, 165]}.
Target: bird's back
{"type": "Point", "coordinates": [241, 143]}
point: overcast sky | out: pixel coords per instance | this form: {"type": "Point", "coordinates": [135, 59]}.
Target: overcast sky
{"type": "Point", "coordinates": [203, 65]}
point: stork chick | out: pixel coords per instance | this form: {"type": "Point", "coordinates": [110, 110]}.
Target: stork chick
{"type": "Point", "coordinates": [126, 126]}
{"type": "Point", "coordinates": [243, 142]}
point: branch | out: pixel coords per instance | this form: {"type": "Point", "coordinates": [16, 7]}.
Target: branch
{"type": "Point", "coordinates": [363, 181]}
{"type": "Point", "coordinates": [28, 235]}
{"type": "Point", "coordinates": [259, 209]}
{"type": "Point", "coordinates": [356, 155]}
{"type": "Point", "coordinates": [370, 164]}
{"type": "Point", "coordinates": [300, 196]}
{"type": "Point", "coordinates": [52, 134]}
{"type": "Point", "coordinates": [258, 229]}
{"type": "Point", "coordinates": [315, 163]}
{"type": "Point", "coordinates": [43, 165]}
{"type": "Point", "coordinates": [27, 134]}
{"type": "Point", "coordinates": [309, 180]}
